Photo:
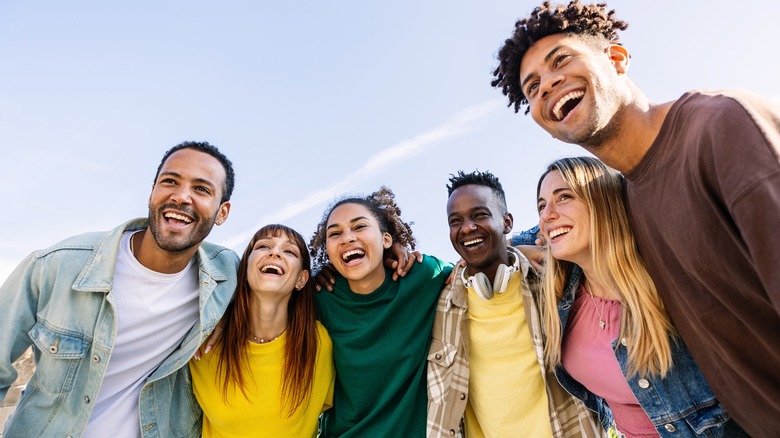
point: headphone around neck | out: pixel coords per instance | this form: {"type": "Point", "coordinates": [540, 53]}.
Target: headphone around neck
{"type": "Point", "coordinates": [482, 286]}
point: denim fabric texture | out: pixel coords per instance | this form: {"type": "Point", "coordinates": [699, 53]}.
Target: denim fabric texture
{"type": "Point", "coordinates": [59, 301]}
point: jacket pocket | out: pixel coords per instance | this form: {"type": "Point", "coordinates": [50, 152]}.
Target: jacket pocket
{"type": "Point", "coordinates": [61, 354]}
{"type": "Point", "coordinates": [710, 415]}
{"type": "Point", "coordinates": [441, 358]}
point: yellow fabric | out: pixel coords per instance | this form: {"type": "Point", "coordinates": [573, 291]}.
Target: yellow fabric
{"type": "Point", "coordinates": [264, 416]}
{"type": "Point", "coordinates": [507, 397]}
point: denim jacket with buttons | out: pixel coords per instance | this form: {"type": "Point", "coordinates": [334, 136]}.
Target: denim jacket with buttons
{"type": "Point", "coordinates": [679, 405]}
{"type": "Point", "coordinates": [59, 301]}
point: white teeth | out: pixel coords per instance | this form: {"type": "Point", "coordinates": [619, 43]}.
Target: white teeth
{"type": "Point", "coordinates": [178, 216]}
{"type": "Point", "coordinates": [558, 231]}
{"type": "Point", "coordinates": [347, 254]}
{"type": "Point", "coordinates": [472, 242]}
{"type": "Point", "coordinates": [275, 268]}
{"type": "Point", "coordinates": [557, 108]}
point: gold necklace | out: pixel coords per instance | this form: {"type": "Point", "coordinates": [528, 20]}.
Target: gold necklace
{"type": "Point", "coordinates": [602, 323]}
{"type": "Point", "coordinates": [257, 340]}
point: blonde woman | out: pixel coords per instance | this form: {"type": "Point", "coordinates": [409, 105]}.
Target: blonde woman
{"type": "Point", "coordinates": [609, 338]}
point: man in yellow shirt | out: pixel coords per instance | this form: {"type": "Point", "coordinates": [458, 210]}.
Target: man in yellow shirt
{"type": "Point", "coordinates": [486, 374]}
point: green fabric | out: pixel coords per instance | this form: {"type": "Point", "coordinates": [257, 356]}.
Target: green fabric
{"type": "Point", "coordinates": [380, 349]}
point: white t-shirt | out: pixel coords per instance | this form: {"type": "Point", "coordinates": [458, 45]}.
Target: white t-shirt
{"type": "Point", "coordinates": [154, 312]}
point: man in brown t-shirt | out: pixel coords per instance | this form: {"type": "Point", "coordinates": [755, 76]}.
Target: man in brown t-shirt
{"type": "Point", "coordinates": [703, 191]}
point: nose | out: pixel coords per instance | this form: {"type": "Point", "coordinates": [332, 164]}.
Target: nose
{"type": "Point", "coordinates": [547, 214]}
{"type": "Point", "coordinates": [549, 83]}
{"type": "Point", "coordinates": [182, 195]}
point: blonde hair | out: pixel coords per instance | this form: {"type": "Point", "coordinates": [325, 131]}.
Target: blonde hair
{"type": "Point", "coordinates": [644, 323]}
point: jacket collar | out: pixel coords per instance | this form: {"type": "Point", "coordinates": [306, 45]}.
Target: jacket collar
{"type": "Point", "coordinates": [98, 273]}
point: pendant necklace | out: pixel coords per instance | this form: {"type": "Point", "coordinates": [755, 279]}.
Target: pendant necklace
{"type": "Point", "coordinates": [602, 323]}
{"type": "Point", "coordinates": [257, 340]}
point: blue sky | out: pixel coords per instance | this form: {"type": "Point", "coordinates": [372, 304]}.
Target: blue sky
{"type": "Point", "coordinates": [309, 99]}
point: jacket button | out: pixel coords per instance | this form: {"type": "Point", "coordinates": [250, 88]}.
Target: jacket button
{"type": "Point", "coordinates": [462, 396]}
{"type": "Point", "coordinates": [644, 384]}
{"type": "Point", "coordinates": [452, 432]}
{"type": "Point", "coordinates": [437, 356]}
{"type": "Point", "coordinates": [95, 358]}
{"type": "Point", "coordinates": [623, 342]}
{"type": "Point", "coordinates": [670, 427]}
{"type": "Point", "coordinates": [53, 349]}
{"type": "Point", "coordinates": [86, 399]}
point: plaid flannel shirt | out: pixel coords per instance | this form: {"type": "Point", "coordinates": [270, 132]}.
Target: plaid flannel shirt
{"type": "Point", "coordinates": [448, 368]}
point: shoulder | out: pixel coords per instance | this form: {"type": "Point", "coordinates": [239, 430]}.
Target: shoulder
{"type": "Point", "coordinates": [86, 242]}
{"type": "Point", "coordinates": [435, 265]}
{"type": "Point", "coordinates": [323, 335]}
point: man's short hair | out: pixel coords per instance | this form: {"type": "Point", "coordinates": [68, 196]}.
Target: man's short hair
{"type": "Point", "coordinates": [205, 147]}
{"type": "Point", "coordinates": [591, 21]}
{"type": "Point", "coordinates": [486, 179]}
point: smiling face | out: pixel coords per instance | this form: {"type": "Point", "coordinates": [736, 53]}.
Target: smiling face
{"type": "Point", "coordinates": [355, 244]}
{"type": "Point", "coordinates": [564, 220]}
{"type": "Point", "coordinates": [478, 228]}
{"type": "Point", "coordinates": [574, 88]}
{"type": "Point", "coordinates": [185, 201]}
{"type": "Point", "coordinates": [275, 266]}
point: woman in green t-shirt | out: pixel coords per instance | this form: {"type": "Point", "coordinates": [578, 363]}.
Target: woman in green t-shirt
{"type": "Point", "coordinates": [380, 328]}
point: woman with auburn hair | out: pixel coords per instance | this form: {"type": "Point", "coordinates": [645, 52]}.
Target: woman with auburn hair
{"type": "Point", "coordinates": [271, 373]}
{"type": "Point", "coordinates": [609, 338]}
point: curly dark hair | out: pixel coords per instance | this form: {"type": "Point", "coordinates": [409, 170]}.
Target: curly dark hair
{"type": "Point", "coordinates": [206, 148]}
{"type": "Point", "coordinates": [382, 205]}
{"type": "Point", "coordinates": [486, 179]}
{"type": "Point", "coordinates": [591, 21]}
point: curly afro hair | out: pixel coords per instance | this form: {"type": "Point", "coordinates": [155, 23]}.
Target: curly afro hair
{"type": "Point", "coordinates": [382, 205]}
{"type": "Point", "coordinates": [591, 20]}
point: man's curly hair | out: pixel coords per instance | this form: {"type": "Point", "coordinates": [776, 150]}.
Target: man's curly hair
{"type": "Point", "coordinates": [486, 179]}
{"type": "Point", "coordinates": [382, 205]}
{"type": "Point", "coordinates": [591, 20]}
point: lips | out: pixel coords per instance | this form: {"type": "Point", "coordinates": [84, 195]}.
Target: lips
{"type": "Point", "coordinates": [177, 217]}
{"type": "Point", "coordinates": [565, 104]}
{"type": "Point", "coordinates": [352, 255]}
{"type": "Point", "coordinates": [272, 269]}
{"type": "Point", "coordinates": [558, 232]}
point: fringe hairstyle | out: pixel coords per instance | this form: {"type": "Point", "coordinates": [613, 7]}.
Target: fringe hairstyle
{"type": "Point", "coordinates": [300, 351]}
{"type": "Point", "coordinates": [644, 323]}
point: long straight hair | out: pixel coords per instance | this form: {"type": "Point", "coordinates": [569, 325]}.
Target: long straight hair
{"type": "Point", "coordinates": [644, 322]}
{"type": "Point", "coordinates": [300, 352]}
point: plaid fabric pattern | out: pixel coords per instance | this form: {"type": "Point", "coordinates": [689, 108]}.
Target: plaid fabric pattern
{"type": "Point", "coordinates": [448, 367]}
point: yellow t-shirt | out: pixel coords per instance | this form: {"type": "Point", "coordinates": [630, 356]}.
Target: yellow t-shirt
{"type": "Point", "coordinates": [264, 415]}
{"type": "Point", "coordinates": [507, 397]}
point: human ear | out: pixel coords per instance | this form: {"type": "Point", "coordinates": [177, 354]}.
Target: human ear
{"type": "Point", "coordinates": [508, 223]}
{"type": "Point", "coordinates": [619, 57]}
{"type": "Point", "coordinates": [223, 212]}
{"type": "Point", "coordinates": [302, 279]}
{"type": "Point", "coordinates": [387, 240]}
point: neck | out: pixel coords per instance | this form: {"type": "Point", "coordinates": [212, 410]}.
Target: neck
{"type": "Point", "coordinates": [596, 287]}
{"type": "Point", "coordinates": [268, 315]}
{"type": "Point", "coordinates": [490, 271]}
{"type": "Point", "coordinates": [634, 129]}
{"type": "Point", "coordinates": [369, 283]}
{"type": "Point", "coordinates": [149, 254]}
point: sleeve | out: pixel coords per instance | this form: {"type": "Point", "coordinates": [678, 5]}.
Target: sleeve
{"type": "Point", "coordinates": [18, 301]}
{"type": "Point", "coordinates": [752, 186]}
{"type": "Point", "coordinates": [527, 237]}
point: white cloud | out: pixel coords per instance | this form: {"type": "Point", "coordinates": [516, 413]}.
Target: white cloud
{"type": "Point", "coordinates": [382, 160]}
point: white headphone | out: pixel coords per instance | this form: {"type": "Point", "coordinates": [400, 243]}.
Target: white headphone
{"type": "Point", "coordinates": [480, 283]}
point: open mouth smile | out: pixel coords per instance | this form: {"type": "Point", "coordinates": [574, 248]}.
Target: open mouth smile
{"type": "Point", "coordinates": [566, 103]}
{"type": "Point", "coordinates": [272, 269]}
{"type": "Point", "coordinates": [559, 231]}
{"type": "Point", "coordinates": [353, 255]}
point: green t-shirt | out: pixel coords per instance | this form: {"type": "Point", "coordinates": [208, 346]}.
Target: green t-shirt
{"type": "Point", "coordinates": [380, 349]}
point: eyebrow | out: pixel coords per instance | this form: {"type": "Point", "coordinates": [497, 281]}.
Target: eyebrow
{"type": "Point", "coordinates": [546, 60]}
{"type": "Point", "coordinates": [351, 221]}
{"type": "Point", "coordinates": [178, 175]}
{"type": "Point", "coordinates": [555, 192]}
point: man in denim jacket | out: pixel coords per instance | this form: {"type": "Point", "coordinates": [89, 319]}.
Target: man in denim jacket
{"type": "Point", "coordinates": [114, 317]}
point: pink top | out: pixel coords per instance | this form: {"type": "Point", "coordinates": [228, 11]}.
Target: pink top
{"type": "Point", "coordinates": [588, 357]}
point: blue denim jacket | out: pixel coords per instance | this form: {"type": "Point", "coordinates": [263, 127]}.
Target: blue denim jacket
{"type": "Point", "coordinates": [679, 405]}
{"type": "Point", "coordinates": [59, 301]}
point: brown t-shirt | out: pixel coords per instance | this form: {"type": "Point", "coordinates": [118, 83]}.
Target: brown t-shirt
{"type": "Point", "coordinates": [705, 207]}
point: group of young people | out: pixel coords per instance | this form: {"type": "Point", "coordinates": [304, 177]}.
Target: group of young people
{"type": "Point", "coordinates": [650, 308]}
